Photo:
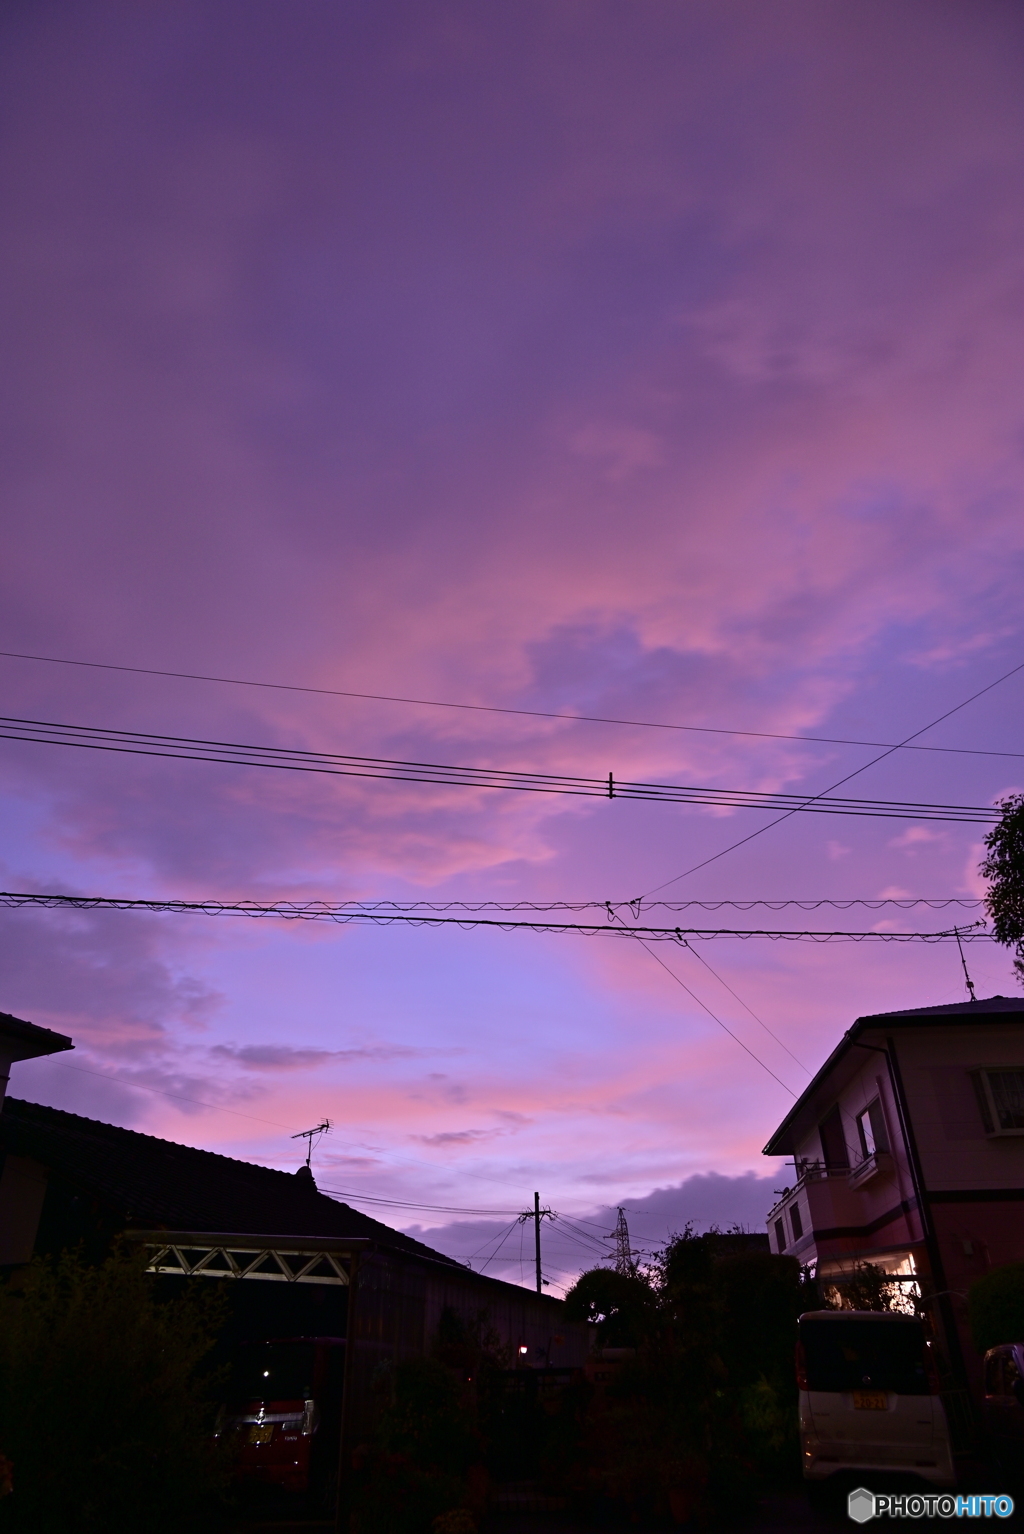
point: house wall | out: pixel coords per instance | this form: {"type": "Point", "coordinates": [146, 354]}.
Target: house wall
{"type": "Point", "coordinates": [973, 1181]}
{"type": "Point", "coordinates": [397, 1309]}
{"type": "Point", "coordinates": [965, 1170]}
{"type": "Point", "coordinates": [844, 1224]}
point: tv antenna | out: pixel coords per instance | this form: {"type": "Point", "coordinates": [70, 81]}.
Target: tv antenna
{"type": "Point", "coordinates": [963, 961]}
{"type": "Point", "coordinates": [311, 1137]}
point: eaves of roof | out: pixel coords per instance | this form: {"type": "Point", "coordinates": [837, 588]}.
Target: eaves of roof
{"type": "Point", "coordinates": [994, 1009]}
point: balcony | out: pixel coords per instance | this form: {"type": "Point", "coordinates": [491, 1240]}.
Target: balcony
{"type": "Point", "coordinates": [878, 1164]}
{"type": "Point", "coordinates": [810, 1172]}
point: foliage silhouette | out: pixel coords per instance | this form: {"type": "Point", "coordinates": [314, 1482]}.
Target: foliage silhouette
{"type": "Point", "coordinates": [996, 1307]}
{"type": "Point", "coordinates": [1004, 868]}
{"type": "Point", "coordinates": [104, 1411]}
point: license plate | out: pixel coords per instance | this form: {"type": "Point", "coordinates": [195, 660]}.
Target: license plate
{"type": "Point", "coordinates": [261, 1433]}
{"type": "Point", "coordinates": [870, 1400]}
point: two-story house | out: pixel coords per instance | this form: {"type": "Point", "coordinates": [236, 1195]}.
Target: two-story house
{"type": "Point", "coordinates": [907, 1152]}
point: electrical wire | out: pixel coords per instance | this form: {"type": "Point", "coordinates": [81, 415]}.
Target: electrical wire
{"type": "Point", "coordinates": [714, 1015]}
{"type": "Point", "coordinates": [498, 1248]}
{"type": "Point", "coordinates": [397, 1203]}
{"type": "Point", "coordinates": [758, 1020]}
{"type": "Point", "coordinates": [772, 1035]}
{"type": "Point", "coordinates": [725, 1028]}
{"type": "Point", "coordinates": [333, 764]}
{"type": "Point", "coordinates": [839, 781]}
{"type": "Point", "coordinates": [490, 708]}
{"type": "Point", "coordinates": [345, 916]}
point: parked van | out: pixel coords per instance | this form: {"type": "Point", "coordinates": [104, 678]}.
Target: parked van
{"type": "Point", "coordinates": [869, 1398]}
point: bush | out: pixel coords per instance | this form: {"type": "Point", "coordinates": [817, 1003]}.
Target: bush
{"type": "Point", "coordinates": [701, 1419]}
{"type": "Point", "coordinates": [996, 1307]}
{"type": "Point", "coordinates": [418, 1469]}
{"type": "Point", "coordinates": [102, 1411]}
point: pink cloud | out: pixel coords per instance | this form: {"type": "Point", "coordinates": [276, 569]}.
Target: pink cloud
{"type": "Point", "coordinates": [667, 372]}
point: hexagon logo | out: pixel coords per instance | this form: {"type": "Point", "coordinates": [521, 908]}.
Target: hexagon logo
{"type": "Point", "coordinates": [860, 1505]}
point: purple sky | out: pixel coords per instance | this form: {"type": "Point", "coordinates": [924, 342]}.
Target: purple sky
{"type": "Point", "coordinates": [621, 358]}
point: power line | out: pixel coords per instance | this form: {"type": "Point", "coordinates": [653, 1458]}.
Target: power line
{"type": "Point", "coordinates": [237, 1113]}
{"type": "Point", "coordinates": [442, 775]}
{"type": "Point", "coordinates": [491, 708]}
{"type": "Point", "coordinates": [616, 908]}
{"type": "Point", "coordinates": [704, 1006]}
{"type": "Point", "coordinates": [398, 1203]}
{"type": "Point", "coordinates": [345, 916]}
{"type": "Point", "coordinates": [760, 1021]}
{"type": "Point", "coordinates": [701, 960]}
{"type": "Point", "coordinates": [658, 960]}
{"type": "Point", "coordinates": [840, 781]}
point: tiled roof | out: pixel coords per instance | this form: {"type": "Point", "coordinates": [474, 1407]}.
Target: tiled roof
{"type": "Point", "coordinates": [987, 1005]}
{"type": "Point", "coordinates": [157, 1184]}
{"type": "Point", "coordinates": [27, 1041]}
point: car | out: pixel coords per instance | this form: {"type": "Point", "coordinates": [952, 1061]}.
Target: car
{"type": "Point", "coordinates": [281, 1418]}
{"type": "Point", "coordinates": [869, 1400]}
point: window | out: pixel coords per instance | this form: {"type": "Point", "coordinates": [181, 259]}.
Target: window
{"type": "Point", "coordinates": [780, 1236]}
{"type": "Point", "coordinates": [857, 1350]}
{"type": "Point", "coordinates": [833, 1141]}
{"type": "Point", "coordinates": [796, 1222]}
{"type": "Point", "coordinates": [1000, 1095]}
{"type": "Point", "coordinates": [871, 1129]}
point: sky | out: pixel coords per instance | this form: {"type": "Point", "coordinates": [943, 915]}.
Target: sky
{"type": "Point", "coordinates": [643, 360]}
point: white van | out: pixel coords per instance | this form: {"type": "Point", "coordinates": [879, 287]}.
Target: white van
{"type": "Point", "coordinates": [869, 1398]}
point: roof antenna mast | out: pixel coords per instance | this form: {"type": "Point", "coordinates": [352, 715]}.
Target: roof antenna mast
{"type": "Point", "coordinates": [310, 1136]}
{"type": "Point", "coordinates": [963, 961]}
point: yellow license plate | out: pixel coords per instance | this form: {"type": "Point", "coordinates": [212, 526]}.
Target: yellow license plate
{"type": "Point", "coordinates": [261, 1433]}
{"type": "Point", "coordinates": [870, 1400]}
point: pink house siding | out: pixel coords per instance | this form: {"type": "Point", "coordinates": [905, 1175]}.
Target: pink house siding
{"type": "Point", "coordinates": [920, 1071]}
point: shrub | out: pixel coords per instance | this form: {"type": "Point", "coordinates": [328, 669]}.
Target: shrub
{"type": "Point", "coordinates": [103, 1413]}
{"type": "Point", "coordinates": [996, 1307]}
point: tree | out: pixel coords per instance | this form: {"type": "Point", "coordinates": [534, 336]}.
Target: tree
{"type": "Point", "coordinates": [105, 1416]}
{"type": "Point", "coordinates": [996, 1307]}
{"type": "Point", "coordinates": [1004, 868]}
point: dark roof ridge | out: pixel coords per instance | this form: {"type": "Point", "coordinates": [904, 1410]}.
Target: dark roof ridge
{"type": "Point", "coordinates": [991, 1008]}
{"type": "Point", "coordinates": [981, 1007]}
{"type": "Point", "coordinates": [30, 1040]}
{"type": "Point", "coordinates": [36, 1116]}
{"type": "Point", "coordinates": [138, 1134]}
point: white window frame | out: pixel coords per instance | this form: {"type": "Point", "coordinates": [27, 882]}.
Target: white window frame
{"type": "Point", "coordinates": [986, 1100]}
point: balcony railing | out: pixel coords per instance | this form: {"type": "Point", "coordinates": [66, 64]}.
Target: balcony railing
{"type": "Point", "coordinates": [809, 1171]}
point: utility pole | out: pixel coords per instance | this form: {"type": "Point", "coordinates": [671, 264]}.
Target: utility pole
{"type": "Point", "coordinates": [536, 1214]}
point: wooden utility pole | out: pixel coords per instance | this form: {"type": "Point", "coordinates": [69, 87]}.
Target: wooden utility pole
{"type": "Point", "coordinates": [536, 1214]}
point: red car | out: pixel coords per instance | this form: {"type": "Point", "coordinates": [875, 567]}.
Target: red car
{"type": "Point", "coordinates": [283, 1413]}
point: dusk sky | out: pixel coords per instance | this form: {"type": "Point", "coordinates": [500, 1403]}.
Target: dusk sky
{"type": "Point", "coordinates": [650, 359]}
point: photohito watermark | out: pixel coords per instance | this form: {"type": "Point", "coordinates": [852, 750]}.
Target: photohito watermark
{"type": "Point", "coordinates": [863, 1504]}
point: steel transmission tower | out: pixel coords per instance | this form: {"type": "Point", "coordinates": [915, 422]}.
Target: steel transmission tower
{"type": "Point", "coordinates": [623, 1254]}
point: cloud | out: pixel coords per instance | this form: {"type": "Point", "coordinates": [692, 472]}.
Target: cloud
{"type": "Point", "coordinates": [287, 1057]}
{"type": "Point", "coordinates": [674, 375]}
{"type": "Point", "coordinates": [577, 1240]}
{"type": "Point", "coordinates": [458, 1137]}
{"type": "Point", "coordinates": [916, 836]}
